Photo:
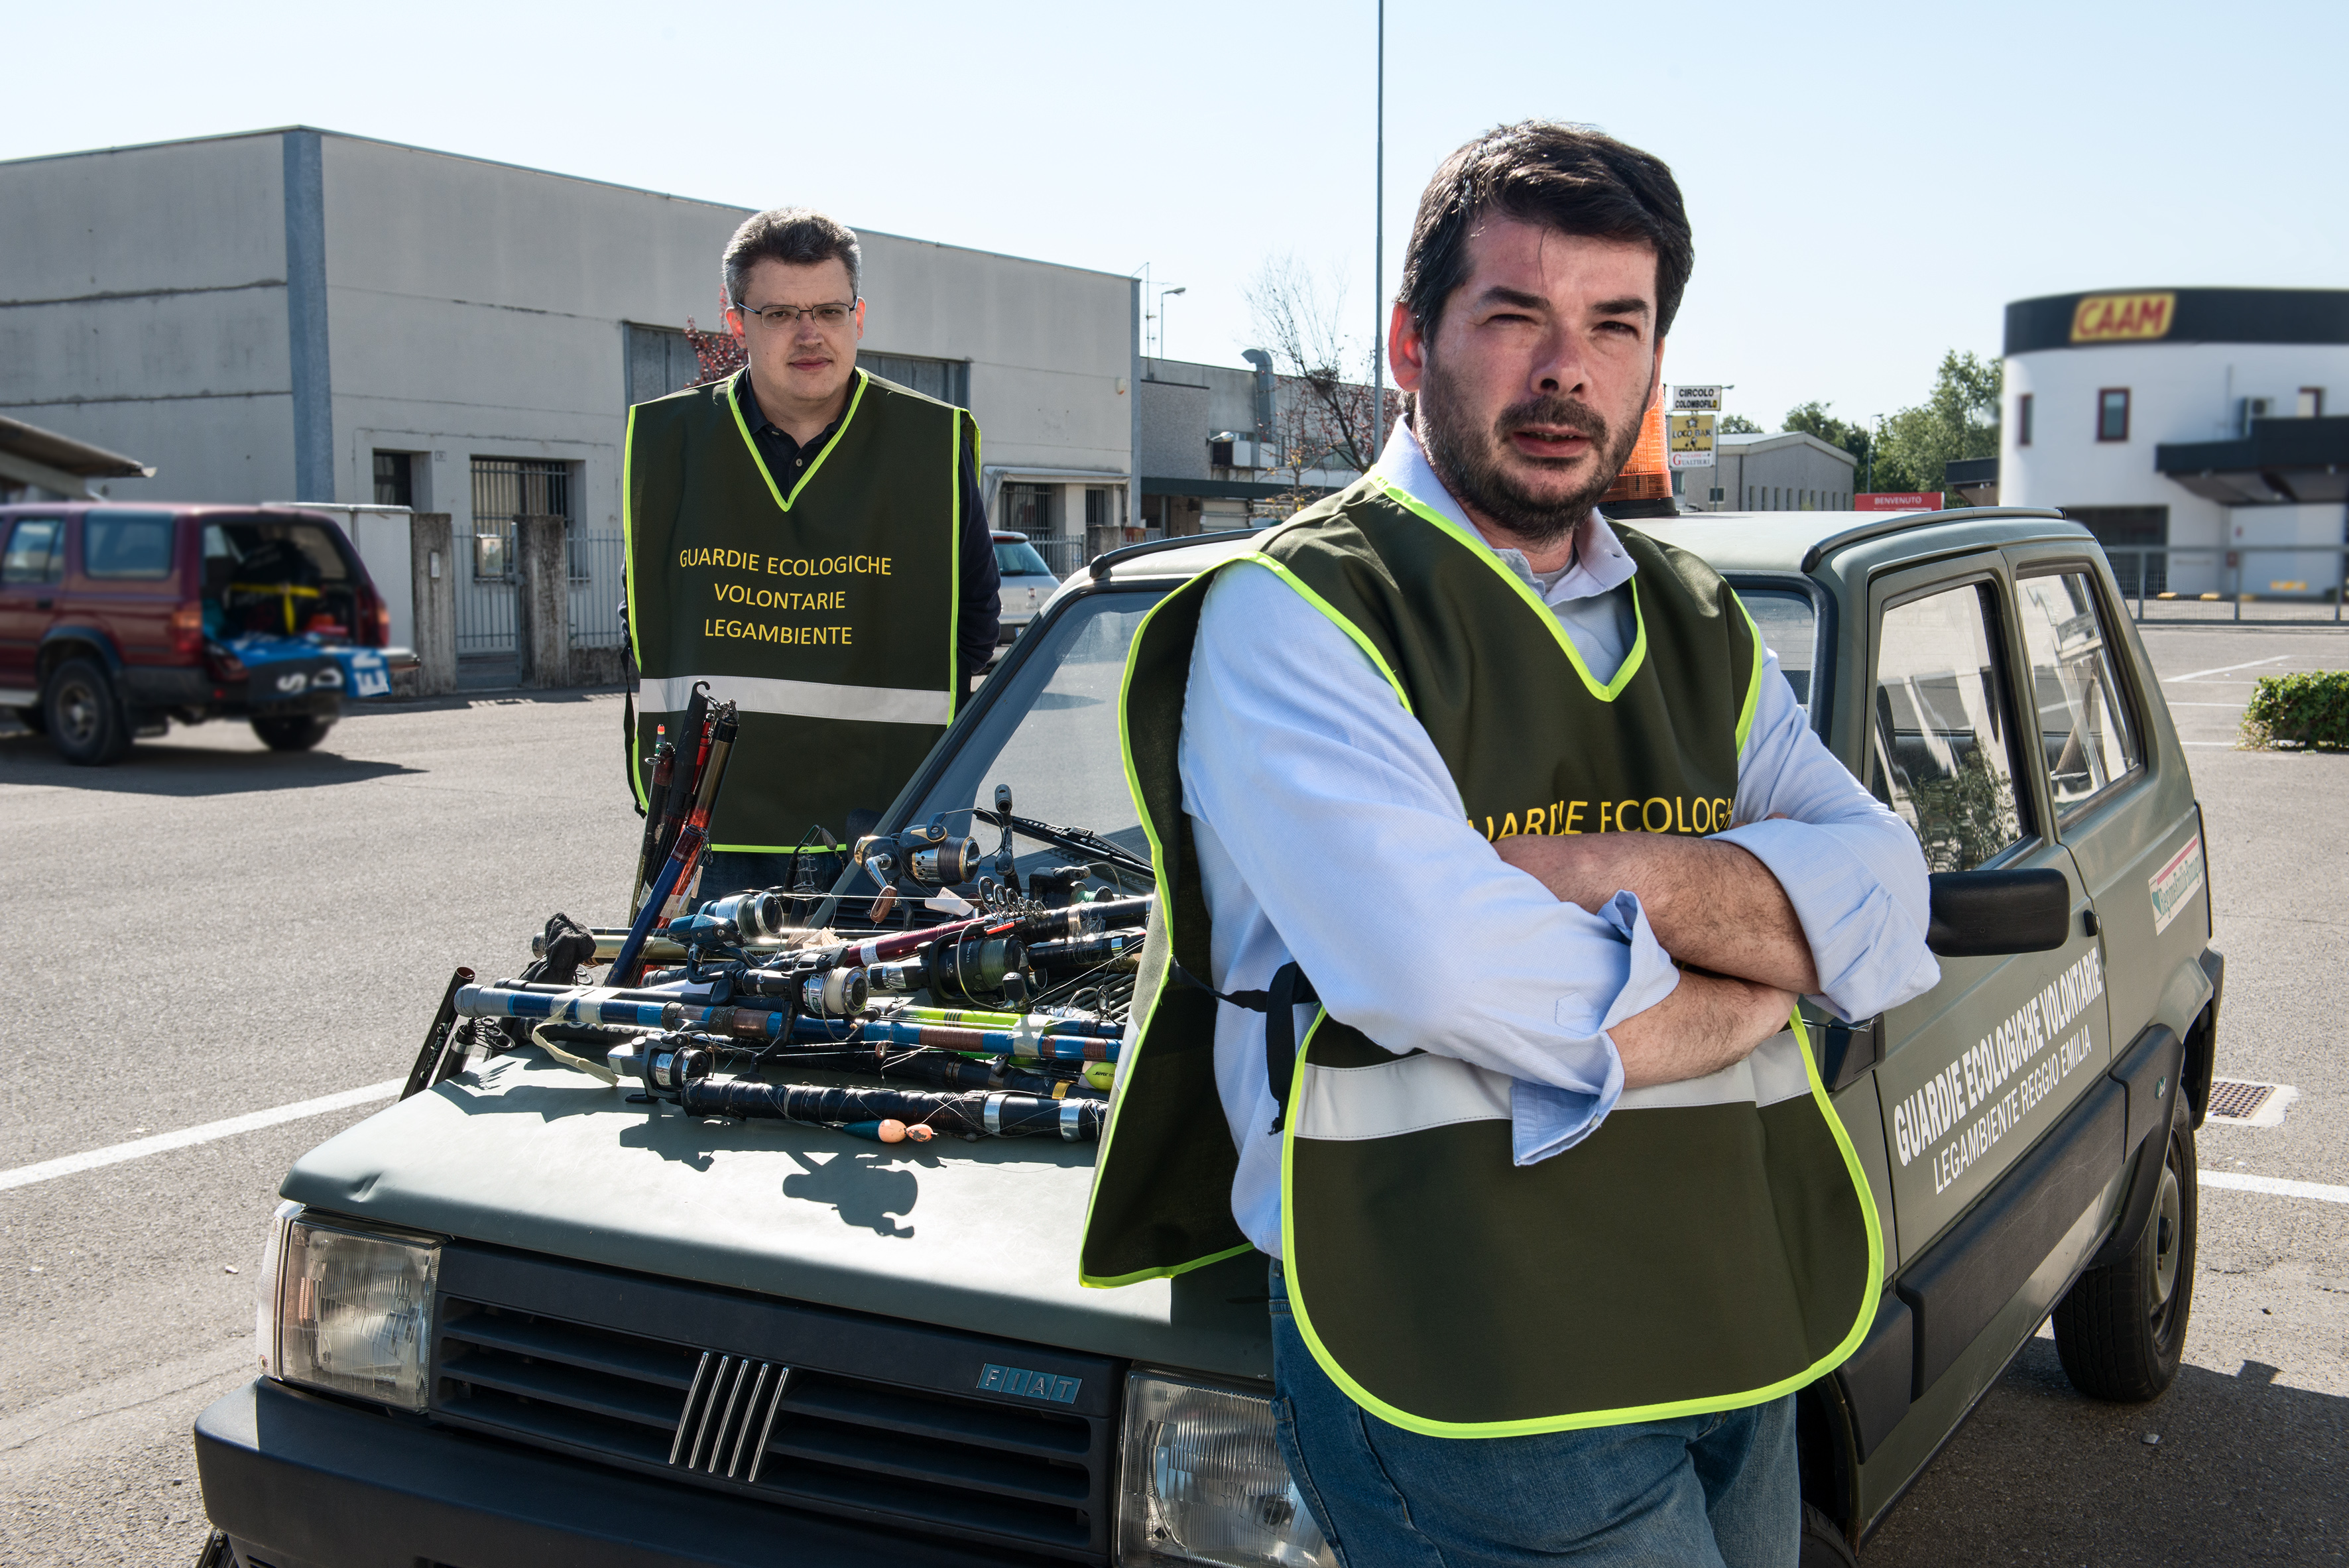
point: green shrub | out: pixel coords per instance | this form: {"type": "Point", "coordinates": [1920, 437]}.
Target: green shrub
{"type": "Point", "coordinates": [2310, 710]}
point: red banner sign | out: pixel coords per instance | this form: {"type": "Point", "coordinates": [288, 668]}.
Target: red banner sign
{"type": "Point", "coordinates": [1897, 500]}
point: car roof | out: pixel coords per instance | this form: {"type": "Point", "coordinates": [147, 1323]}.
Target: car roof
{"type": "Point", "coordinates": [1792, 542]}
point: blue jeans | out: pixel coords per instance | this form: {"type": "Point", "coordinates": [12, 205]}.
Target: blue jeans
{"type": "Point", "coordinates": [1703, 1491]}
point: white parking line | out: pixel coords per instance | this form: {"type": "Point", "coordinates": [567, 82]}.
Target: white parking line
{"type": "Point", "coordinates": [2222, 669]}
{"type": "Point", "coordinates": [139, 1149]}
{"type": "Point", "coordinates": [2275, 1186]}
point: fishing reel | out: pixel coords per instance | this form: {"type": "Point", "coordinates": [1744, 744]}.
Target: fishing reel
{"type": "Point", "coordinates": [756, 916]}
{"type": "Point", "coordinates": [975, 965]}
{"type": "Point", "coordinates": [926, 855]}
{"type": "Point", "coordinates": [814, 993]}
{"type": "Point", "coordinates": [665, 1068]}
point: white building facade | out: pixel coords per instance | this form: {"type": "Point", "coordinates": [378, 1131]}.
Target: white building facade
{"type": "Point", "coordinates": [2193, 425]}
{"type": "Point", "coordinates": [302, 316]}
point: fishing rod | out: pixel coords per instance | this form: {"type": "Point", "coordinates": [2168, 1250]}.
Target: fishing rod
{"type": "Point", "coordinates": [600, 1005]}
{"type": "Point", "coordinates": [1075, 840]}
{"type": "Point", "coordinates": [918, 1114]}
{"type": "Point", "coordinates": [942, 1067]}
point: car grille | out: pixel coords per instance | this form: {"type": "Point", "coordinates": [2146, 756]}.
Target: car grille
{"type": "Point", "coordinates": [792, 1405]}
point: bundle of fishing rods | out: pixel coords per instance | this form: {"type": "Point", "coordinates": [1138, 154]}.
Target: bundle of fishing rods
{"type": "Point", "coordinates": [697, 1003]}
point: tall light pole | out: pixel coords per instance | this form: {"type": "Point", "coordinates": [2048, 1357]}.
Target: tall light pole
{"type": "Point", "coordinates": [1162, 317]}
{"type": "Point", "coordinates": [1379, 255]}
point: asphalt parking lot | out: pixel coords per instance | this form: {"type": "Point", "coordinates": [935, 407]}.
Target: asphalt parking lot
{"type": "Point", "coordinates": [212, 930]}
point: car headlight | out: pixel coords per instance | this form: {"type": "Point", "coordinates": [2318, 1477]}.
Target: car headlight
{"type": "Point", "coordinates": [1203, 1481]}
{"type": "Point", "coordinates": [348, 1308]}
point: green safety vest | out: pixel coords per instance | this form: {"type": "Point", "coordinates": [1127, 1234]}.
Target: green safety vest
{"type": "Point", "coordinates": [826, 611]}
{"type": "Point", "coordinates": [1710, 1245]}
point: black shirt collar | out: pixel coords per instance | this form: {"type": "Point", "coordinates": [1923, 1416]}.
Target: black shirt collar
{"type": "Point", "coordinates": [771, 435]}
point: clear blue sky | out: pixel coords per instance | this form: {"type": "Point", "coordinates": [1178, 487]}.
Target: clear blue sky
{"type": "Point", "coordinates": [1869, 185]}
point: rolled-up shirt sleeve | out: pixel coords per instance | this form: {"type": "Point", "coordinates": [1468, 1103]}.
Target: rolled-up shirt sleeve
{"type": "Point", "coordinates": [1313, 785]}
{"type": "Point", "coordinates": [1854, 871]}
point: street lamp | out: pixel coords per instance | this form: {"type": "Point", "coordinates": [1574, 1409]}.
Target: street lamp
{"type": "Point", "coordinates": [1162, 317]}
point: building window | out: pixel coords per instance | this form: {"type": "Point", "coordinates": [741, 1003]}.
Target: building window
{"type": "Point", "coordinates": [1028, 509]}
{"type": "Point", "coordinates": [660, 361]}
{"type": "Point", "coordinates": [2113, 414]}
{"type": "Point", "coordinates": [506, 490]}
{"type": "Point", "coordinates": [2312, 403]}
{"type": "Point", "coordinates": [947, 380]}
{"type": "Point", "coordinates": [394, 481]}
{"type": "Point", "coordinates": [2023, 421]}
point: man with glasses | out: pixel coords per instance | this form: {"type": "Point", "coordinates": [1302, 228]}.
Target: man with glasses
{"type": "Point", "coordinates": [810, 541]}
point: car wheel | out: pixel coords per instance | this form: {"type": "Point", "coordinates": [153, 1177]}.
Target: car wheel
{"type": "Point", "coordinates": [83, 717]}
{"type": "Point", "coordinates": [298, 734]}
{"type": "Point", "coordinates": [1823, 1542]}
{"type": "Point", "coordinates": [2121, 1329]}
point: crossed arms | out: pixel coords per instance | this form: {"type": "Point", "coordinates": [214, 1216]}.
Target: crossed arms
{"type": "Point", "coordinates": [1717, 910]}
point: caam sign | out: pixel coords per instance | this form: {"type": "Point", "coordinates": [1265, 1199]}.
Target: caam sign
{"type": "Point", "coordinates": [2123, 317]}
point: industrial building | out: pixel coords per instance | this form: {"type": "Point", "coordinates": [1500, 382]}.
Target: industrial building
{"type": "Point", "coordinates": [1788, 471]}
{"type": "Point", "coordinates": [2190, 428]}
{"type": "Point", "coordinates": [1219, 445]}
{"type": "Point", "coordinates": [298, 315]}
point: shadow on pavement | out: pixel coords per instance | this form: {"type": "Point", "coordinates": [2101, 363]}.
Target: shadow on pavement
{"type": "Point", "coordinates": [159, 768]}
{"type": "Point", "coordinates": [2246, 1470]}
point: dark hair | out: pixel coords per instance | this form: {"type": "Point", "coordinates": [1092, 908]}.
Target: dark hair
{"type": "Point", "coordinates": [800, 236]}
{"type": "Point", "coordinates": [1571, 178]}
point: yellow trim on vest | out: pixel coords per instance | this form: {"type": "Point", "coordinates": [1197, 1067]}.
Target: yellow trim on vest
{"type": "Point", "coordinates": [955, 689]}
{"type": "Point", "coordinates": [1604, 691]}
{"type": "Point", "coordinates": [629, 586]}
{"type": "Point", "coordinates": [1258, 558]}
{"type": "Point", "coordinates": [1754, 682]}
{"type": "Point", "coordinates": [1166, 901]}
{"type": "Point", "coordinates": [734, 406]}
{"type": "Point", "coordinates": [1584, 1419]}
{"type": "Point", "coordinates": [776, 848]}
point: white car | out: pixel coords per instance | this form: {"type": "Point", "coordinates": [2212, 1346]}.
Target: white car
{"type": "Point", "coordinates": [1028, 582]}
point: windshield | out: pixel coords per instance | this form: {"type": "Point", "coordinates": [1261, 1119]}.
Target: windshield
{"type": "Point", "coordinates": [1789, 623]}
{"type": "Point", "coordinates": [1018, 558]}
{"type": "Point", "coordinates": [1052, 735]}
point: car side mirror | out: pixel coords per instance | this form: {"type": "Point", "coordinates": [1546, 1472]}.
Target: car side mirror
{"type": "Point", "coordinates": [1986, 914]}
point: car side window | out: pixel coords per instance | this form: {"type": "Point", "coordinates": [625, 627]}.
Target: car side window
{"type": "Point", "coordinates": [33, 555]}
{"type": "Point", "coordinates": [2084, 723]}
{"type": "Point", "coordinates": [1940, 758]}
{"type": "Point", "coordinates": [127, 544]}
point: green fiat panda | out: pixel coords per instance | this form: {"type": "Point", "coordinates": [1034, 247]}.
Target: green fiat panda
{"type": "Point", "coordinates": [489, 1314]}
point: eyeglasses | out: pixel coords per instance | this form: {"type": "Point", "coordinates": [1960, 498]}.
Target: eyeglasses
{"type": "Point", "coordinates": [783, 316]}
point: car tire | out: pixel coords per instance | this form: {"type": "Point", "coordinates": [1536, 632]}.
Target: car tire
{"type": "Point", "coordinates": [1822, 1543]}
{"type": "Point", "coordinates": [83, 717]}
{"type": "Point", "coordinates": [296, 734]}
{"type": "Point", "coordinates": [2121, 1329]}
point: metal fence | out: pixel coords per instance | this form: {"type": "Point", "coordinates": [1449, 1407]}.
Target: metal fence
{"type": "Point", "coordinates": [597, 587]}
{"type": "Point", "coordinates": [2145, 573]}
{"type": "Point", "coordinates": [505, 489]}
{"type": "Point", "coordinates": [1064, 556]}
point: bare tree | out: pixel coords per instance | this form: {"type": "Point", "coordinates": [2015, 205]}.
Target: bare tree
{"type": "Point", "coordinates": [1324, 416]}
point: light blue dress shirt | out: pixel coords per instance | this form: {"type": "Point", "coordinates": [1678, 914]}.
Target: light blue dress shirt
{"type": "Point", "coordinates": [1330, 832]}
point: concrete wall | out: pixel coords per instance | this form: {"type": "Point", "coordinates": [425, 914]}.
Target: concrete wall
{"type": "Point", "coordinates": [144, 309]}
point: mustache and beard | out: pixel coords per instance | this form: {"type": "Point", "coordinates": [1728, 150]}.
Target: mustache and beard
{"type": "Point", "coordinates": [1471, 461]}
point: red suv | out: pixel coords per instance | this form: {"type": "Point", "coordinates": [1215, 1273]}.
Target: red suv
{"type": "Point", "coordinates": [116, 619]}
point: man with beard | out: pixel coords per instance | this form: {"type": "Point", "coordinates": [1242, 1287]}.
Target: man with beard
{"type": "Point", "coordinates": [1560, 1214]}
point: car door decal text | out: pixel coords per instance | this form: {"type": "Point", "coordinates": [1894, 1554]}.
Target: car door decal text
{"type": "Point", "coordinates": [1927, 1117]}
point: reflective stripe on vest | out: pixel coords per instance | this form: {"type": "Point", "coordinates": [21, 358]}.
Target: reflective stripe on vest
{"type": "Point", "coordinates": [803, 700]}
{"type": "Point", "coordinates": [1412, 1094]}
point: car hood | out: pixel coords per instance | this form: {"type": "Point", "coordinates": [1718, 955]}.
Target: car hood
{"type": "Point", "coordinates": [526, 1154]}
